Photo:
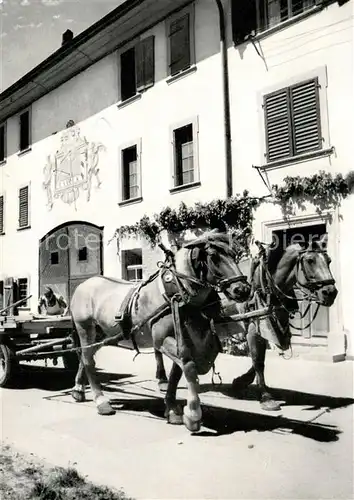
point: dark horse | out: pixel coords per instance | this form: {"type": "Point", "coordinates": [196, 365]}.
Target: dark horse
{"type": "Point", "coordinates": [177, 304]}
{"type": "Point", "coordinates": [274, 279]}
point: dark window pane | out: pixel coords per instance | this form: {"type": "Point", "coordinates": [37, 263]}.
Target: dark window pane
{"type": "Point", "coordinates": [24, 130]}
{"type": "Point", "coordinates": [184, 155]}
{"type": "Point", "coordinates": [127, 74]}
{"type": "Point", "coordinates": [82, 254]}
{"type": "Point", "coordinates": [54, 258]}
{"type": "Point", "coordinates": [2, 143]}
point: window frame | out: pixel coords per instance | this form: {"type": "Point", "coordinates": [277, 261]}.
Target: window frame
{"type": "Point", "coordinates": [138, 144]}
{"type": "Point", "coordinates": [190, 10]}
{"type": "Point", "coordinates": [321, 74]}
{"type": "Point", "coordinates": [194, 121]}
{"type": "Point", "coordinates": [125, 268]}
{"type": "Point", "coordinates": [29, 147]}
{"type": "Point", "coordinates": [3, 126]}
{"type": "Point", "coordinates": [132, 45]}
{"type": "Point", "coordinates": [290, 17]}
{"type": "Point", "coordinates": [17, 278]}
{"type": "Point", "coordinates": [28, 226]}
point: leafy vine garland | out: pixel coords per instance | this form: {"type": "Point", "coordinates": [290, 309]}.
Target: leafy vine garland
{"type": "Point", "coordinates": [324, 190]}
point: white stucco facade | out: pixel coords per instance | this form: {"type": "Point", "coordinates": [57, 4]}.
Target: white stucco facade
{"type": "Point", "coordinates": [320, 43]}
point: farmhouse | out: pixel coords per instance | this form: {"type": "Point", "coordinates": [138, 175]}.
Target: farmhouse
{"type": "Point", "coordinates": [164, 101]}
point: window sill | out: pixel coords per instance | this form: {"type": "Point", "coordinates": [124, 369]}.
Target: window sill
{"type": "Point", "coordinates": [283, 25]}
{"type": "Point", "coordinates": [182, 74]}
{"type": "Point", "coordinates": [128, 101]}
{"type": "Point", "coordinates": [131, 201]}
{"type": "Point", "coordinates": [23, 228]}
{"type": "Point", "coordinates": [24, 151]}
{"type": "Point", "coordinates": [2, 162]}
{"type": "Point", "coordinates": [321, 153]}
{"type": "Point", "coordinates": [185, 187]}
{"type": "Point", "coordinates": [2, 234]}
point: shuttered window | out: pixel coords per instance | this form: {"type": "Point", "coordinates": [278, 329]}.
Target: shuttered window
{"type": "Point", "coordinates": [137, 68]}
{"type": "Point", "coordinates": [25, 130]}
{"type": "Point", "coordinates": [23, 218]}
{"type": "Point", "coordinates": [180, 44]}
{"type": "Point", "coordinates": [292, 121]}
{"type": "Point", "coordinates": [145, 63]}
{"type": "Point", "coordinates": [2, 142]}
{"type": "Point", "coordinates": [1, 215]}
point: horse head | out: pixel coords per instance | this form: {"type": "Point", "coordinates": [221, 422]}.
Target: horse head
{"type": "Point", "coordinates": [314, 274]}
{"type": "Point", "coordinates": [310, 270]}
{"type": "Point", "coordinates": [213, 259]}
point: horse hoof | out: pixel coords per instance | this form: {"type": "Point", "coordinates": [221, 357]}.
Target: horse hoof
{"type": "Point", "coordinates": [78, 396]}
{"type": "Point", "coordinates": [105, 408]}
{"type": "Point", "coordinates": [174, 418]}
{"type": "Point", "coordinates": [270, 405]}
{"type": "Point", "coordinates": [162, 385]}
{"type": "Point", "coordinates": [192, 425]}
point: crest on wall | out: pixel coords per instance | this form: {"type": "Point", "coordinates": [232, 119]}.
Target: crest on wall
{"type": "Point", "coordinates": [72, 169]}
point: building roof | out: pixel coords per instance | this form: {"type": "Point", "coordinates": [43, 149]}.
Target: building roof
{"type": "Point", "coordinates": [124, 23]}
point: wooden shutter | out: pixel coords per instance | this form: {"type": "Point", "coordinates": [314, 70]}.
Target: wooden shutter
{"type": "Point", "coordinates": [244, 19]}
{"type": "Point", "coordinates": [23, 219]}
{"type": "Point", "coordinates": [306, 117]}
{"type": "Point", "coordinates": [180, 50]}
{"type": "Point", "coordinates": [145, 63]}
{"type": "Point", "coordinates": [1, 214]}
{"type": "Point", "coordinates": [278, 125]}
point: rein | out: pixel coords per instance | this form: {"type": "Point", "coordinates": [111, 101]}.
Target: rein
{"type": "Point", "coordinates": [307, 289]}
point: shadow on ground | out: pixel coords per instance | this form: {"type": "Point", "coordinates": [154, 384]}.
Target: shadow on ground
{"type": "Point", "coordinates": [55, 379]}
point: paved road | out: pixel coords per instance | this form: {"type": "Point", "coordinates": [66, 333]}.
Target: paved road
{"type": "Point", "coordinates": [305, 451]}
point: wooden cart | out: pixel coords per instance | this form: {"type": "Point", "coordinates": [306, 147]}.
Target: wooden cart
{"type": "Point", "coordinates": [29, 338]}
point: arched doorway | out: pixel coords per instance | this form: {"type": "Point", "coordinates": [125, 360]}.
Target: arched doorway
{"type": "Point", "coordinates": [68, 255]}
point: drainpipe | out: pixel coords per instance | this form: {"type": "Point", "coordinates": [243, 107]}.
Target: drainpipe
{"type": "Point", "coordinates": [226, 97]}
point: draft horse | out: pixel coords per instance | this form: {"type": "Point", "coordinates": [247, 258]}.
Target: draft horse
{"type": "Point", "coordinates": [177, 305]}
{"type": "Point", "coordinates": [274, 279]}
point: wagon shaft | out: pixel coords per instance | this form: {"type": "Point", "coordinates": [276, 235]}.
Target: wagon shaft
{"type": "Point", "coordinates": [252, 314]}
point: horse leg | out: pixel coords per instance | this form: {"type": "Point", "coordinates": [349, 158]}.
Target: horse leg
{"type": "Point", "coordinates": [87, 336]}
{"type": "Point", "coordinates": [78, 392]}
{"type": "Point", "coordinates": [242, 382]}
{"type": "Point", "coordinates": [258, 348]}
{"type": "Point", "coordinates": [192, 412]}
{"type": "Point", "coordinates": [173, 411]}
{"type": "Point", "coordinates": [160, 371]}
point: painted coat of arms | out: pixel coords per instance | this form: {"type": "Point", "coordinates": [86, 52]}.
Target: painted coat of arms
{"type": "Point", "coordinates": [72, 168]}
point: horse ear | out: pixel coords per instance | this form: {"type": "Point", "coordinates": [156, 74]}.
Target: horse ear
{"type": "Point", "coordinates": [323, 242]}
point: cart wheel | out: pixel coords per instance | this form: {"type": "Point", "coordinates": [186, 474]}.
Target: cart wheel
{"type": "Point", "coordinates": [7, 365]}
{"type": "Point", "coordinates": [71, 361]}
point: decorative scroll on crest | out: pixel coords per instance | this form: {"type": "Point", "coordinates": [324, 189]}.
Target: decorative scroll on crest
{"type": "Point", "coordinates": [72, 168]}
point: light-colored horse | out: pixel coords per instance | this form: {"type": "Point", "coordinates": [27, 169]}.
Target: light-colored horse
{"type": "Point", "coordinates": [274, 281]}
{"type": "Point", "coordinates": [199, 269]}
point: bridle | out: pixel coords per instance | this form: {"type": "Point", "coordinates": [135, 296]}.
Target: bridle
{"type": "Point", "coordinates": [308, 288]}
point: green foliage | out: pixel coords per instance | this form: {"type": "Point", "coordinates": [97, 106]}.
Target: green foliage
{"type": "Point", "coordinates": [323, 190]}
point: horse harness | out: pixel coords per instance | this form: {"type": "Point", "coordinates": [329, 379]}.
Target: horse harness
{"type": "Point", "coordinates": [178, 292]}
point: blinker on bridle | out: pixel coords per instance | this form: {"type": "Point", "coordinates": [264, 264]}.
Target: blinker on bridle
{"type": "Point", "coordinates": [311, 283]}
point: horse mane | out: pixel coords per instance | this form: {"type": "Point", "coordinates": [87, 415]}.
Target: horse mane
{"type": "Point", "coordinates": [216, 240]}
{"type": "Point", "coordinates": [276, 254]}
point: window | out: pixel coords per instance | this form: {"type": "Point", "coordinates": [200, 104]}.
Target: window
{"type": "Point", "coordinates": [2, 295]}
{"type": "Point", "coordinates": [54, 258]}
{"type": "Point", "coordinates": [23, 209]}
{"type": "Point", "coordinates": [137, 68]}
{"type": "Point", "coordinates": [130, 163]}
{"type": "Point", "coordinates": [292, 121]}
{"type": "Point", "coordinates": [250, 17]}
{"type": "Point", "coordinates": [273, 12]}
{"type": "Point", "coordinates": [132, 264]}
{"type": "Point", "coordinates": [22, 290]}
{"type": "Point", "coordinates": [25, 130]}
{"type": "Point", "coordinates": [185, 155]}
{"type": "Point", "coordinates": [2, 143]}
{"type": "Point", "coordinates": [82, 254]}
{"type": "Point", "coordinates": [181, 42]}
{"type": "Point", "coordinates": [1, 215]}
